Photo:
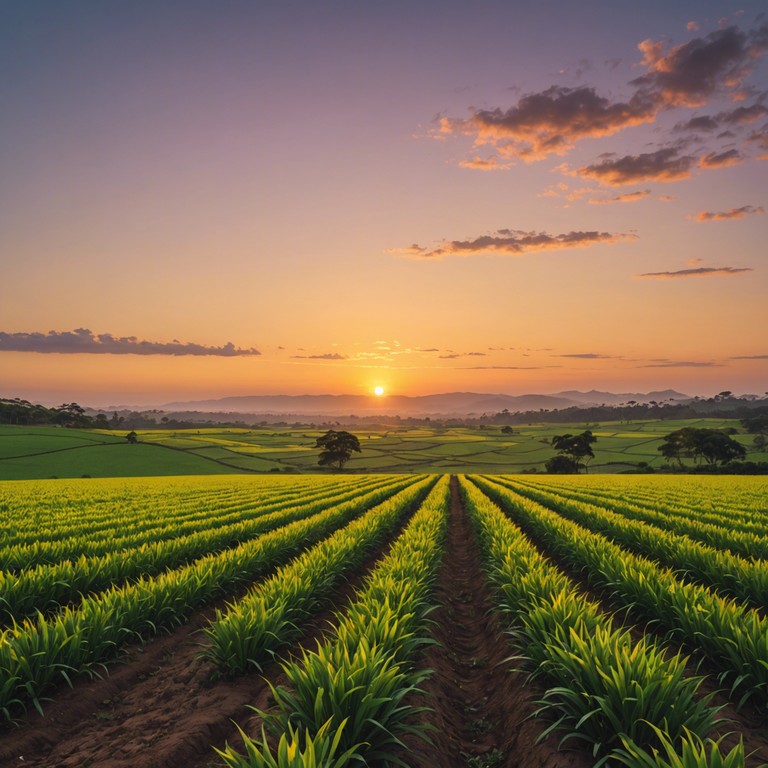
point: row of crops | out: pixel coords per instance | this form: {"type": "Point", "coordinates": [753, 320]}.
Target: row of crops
{"type": "Point", "coordinates": [621, 595]}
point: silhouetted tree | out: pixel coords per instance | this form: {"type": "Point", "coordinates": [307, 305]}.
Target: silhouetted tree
{"type": "Point", "coordinates": [712, 445]}
{"type": "Point", "coordinates": [562, 465]}
{"type": "Point", "coordinates": [336, 448]}
{"type": "Point", "coordinates": [132, 437]}
{"type": "Point", "coordinates": [576, 447]}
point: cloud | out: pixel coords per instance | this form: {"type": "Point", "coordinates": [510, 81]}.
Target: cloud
{"type": "Point", "coordinates": [750, 357]}
{"type": "Point", "coordinates": [696, 272]}
{"type": "Point", "coordinates": [687, 75]}
{"type": "Point", "coordinates": [512, 242]}
{"type": "Point", "coordinates": [692, 26]}
{"type": "Point", "coordinates": [629, 197]}
{"type": "Point", "coordinates": [682, 364]}
{"type": "Point", "coordinates": [84, 341]}
{"type": "Point", "coordinates": [589, 356]}
{"type": "Point", "coordinates": [462, 354]}
{"type": "Point", "coordinates": [551, 121]}
{"type": "Point", "coordinates": [326, 356]}
{"type": "Point", "coordinates": [662, 165]}
{"type": "Point", "coordinates": [721, 160]}
{"type": "Point", "coordinates": [734, 213]}
{"type": "Point", "coordinates": [484, 164]}
{"type": "Point", "coordinates": [507, 367]}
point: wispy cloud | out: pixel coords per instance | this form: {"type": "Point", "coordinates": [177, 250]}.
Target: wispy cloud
{"type": "Point", "coordinates": [733, 213]}
{"type": "Point", "coordinates": [750, 357]}
{"type": "Point", "coordinates": [507, 367]}
{"type": "Point", "coordinates": [325, 356]}
{"type": "Point", "coordinates": [721, 159]}
{"type": "Point", "coordinates": [84, 341]}
{"type": "Point", "coordinates": [682, 364]}
{"type": "Point", "coordinates": [589, 356]}
{"type": "Point", "coordinates": [492, 163]}
{"type": "Point", "coordinates": [512, 242]}
{"type": "Point", "coordinates": [629, 197]}
{"type": "Point", "coordinates": [695, 272]}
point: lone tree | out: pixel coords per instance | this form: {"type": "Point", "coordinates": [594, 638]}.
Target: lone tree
{"type": "Point", "coordinates": [336, 448]}
{"type": "Point", "coordinates": [132, 437]}
{"type": "Point", "coordinates": [575, 452]}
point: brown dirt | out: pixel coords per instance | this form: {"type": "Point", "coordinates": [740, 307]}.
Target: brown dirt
{"type": "Point", "coordinates": [159, 709]}
{"type": "Point", "coordinates": [747, 724]}
{"type": "Point", "coordinates": [478, 706]}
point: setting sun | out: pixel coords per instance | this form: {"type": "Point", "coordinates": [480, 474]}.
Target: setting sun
{"type": "Point", "coordinates": [378, 391]}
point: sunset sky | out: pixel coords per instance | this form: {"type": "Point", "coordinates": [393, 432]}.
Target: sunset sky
{"type": "Point", "coordinates": [202, 199]}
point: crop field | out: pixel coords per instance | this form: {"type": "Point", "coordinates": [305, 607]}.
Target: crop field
{"type": "Point", "coordinates": [459, 621]}
{"type": "Point", "coordinates": [44, 452]}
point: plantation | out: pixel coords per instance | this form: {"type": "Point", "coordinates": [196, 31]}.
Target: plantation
{"type": "Point", "coordinates": [384, 619]}
{"type": "Point", "coordinates": [45, 452]}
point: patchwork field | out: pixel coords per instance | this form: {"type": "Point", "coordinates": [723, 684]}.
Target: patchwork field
{"type": "Point", "coordinates": [43, 452]}
{"type": "Point", "coordinates": [521, 620]}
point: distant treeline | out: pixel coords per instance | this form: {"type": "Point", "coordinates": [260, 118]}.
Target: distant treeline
{"type": "Point", "coordinates": [722, 406]}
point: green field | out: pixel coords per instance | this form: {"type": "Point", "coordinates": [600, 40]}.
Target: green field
{"type": "Point", "coordinates": [45, 452]}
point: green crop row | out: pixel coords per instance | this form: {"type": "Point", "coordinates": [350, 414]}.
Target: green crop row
{"type": "Point", "coordinates": [345, 702]}
{"type": "Point", "coordinates": [38, 654]}
{"type": "Point", "coordinates": [49, 587]}
{"type": "Point", "coordinates": [253, 628]}
{"type": "Point", "coordinates": [604, 686]}
{"type": "Point", "coordinates": [720, 532]}
{"type": "Point", "coordinates": [25, 556]}
{"type": "Point", "coordinates": [720, 570]}
{"type": "Point", "coordinates": [731, 635]}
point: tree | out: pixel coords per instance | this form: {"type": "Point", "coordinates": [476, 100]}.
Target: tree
{"type": "Point", "coordinates": [712, 445]}
{"type": "Point", "coordinates": [562, 465]}
{"type": "Point", "coordinates": [336, 448]}
{"type": "Point", "coordinates": [132, 437]}
{"type": "Point", "coordinates": [578, 448]}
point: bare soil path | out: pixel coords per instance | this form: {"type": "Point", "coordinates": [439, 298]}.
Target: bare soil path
{"type": "Point", "coordinates": [481, 710]}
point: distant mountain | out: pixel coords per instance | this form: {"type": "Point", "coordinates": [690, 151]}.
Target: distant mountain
{"type": "Point", "coordinates": [449, 404]}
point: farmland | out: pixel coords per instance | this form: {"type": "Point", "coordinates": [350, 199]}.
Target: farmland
{"type": "Point", "coordinates": [144, 618]}
{"type": "Point", "coordinates": [44, 452]}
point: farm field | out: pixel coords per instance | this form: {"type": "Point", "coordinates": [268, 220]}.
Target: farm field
{"type": "Point", "coordinates": [44, 452]}
{"type": "Point", "coordinates": [144, 617]}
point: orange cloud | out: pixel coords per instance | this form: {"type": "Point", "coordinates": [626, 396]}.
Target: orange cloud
{"type": "Point", "coordinates": [721, 160]}
{"type": "Point", "coordinates": [512, 242]}
{"type": "Point", "coordinates": [484, 164]}
{"type": "Point", "coordinates": [687, 75]}
{"type": "Point", "coordinates": [696, 272]}
{"type": "Point", "coordinates": [662, 165]}
{"type": "Point", "coordinates": [734, 213]}
{"type": "Point", "coordinates": [629, 197]}
{"type": "Point", "coordinates": [551, 121]}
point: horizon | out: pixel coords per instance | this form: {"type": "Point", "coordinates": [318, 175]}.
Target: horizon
{"type": "Point", "coordinates": [203, 201]}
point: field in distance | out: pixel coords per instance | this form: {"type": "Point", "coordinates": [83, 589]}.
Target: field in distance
{"type": "Point", "coordinates": [44, 452]}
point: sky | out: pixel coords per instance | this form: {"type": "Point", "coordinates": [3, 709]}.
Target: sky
{"type": "Point", "coordinates": [201, 199]}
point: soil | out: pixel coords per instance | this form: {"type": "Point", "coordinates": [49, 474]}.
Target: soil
{"type": "Point", "coordinates": [482, 711]}
{"type": "Point", "coordinates": [162, 707]}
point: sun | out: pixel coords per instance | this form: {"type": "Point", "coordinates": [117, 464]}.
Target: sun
{"type": "Point", "coordinates": [378, 391]}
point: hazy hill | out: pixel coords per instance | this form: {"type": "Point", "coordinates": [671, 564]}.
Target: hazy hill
{"type": "Point", "coordinates": [449, 404]}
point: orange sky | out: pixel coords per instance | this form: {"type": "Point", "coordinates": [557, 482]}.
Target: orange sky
{"type": "Point", "coordinates": [353, 196]}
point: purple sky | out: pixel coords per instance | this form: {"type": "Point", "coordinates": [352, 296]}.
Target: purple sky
{"type": "Point", "coordinates": [204, 199]}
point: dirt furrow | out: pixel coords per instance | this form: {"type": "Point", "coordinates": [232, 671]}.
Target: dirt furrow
{"type": "Point", "coordinates": [480, 709]}
{"type": "Point", "coordinates": [161, 708]}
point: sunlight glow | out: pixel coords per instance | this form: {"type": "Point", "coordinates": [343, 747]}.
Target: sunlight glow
{"type": "Point", "coordinates": [378, 391]}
